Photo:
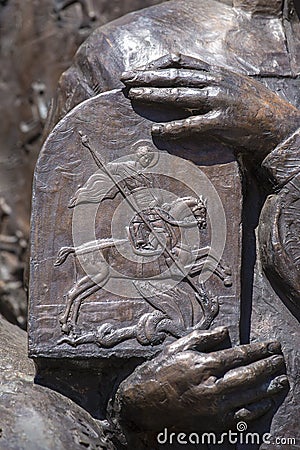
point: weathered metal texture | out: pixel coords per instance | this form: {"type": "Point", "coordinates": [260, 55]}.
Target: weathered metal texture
{"type": "Point", "coordinates": [271, 317]}
{"type": "Point", "coordinates": [217, 103]}
{"type": "Point", "coordinates": [115, 319]}
{"type": "Point", "coordinates": [33, 417]}
{"type": "Point", "coordinates": [260, 7]}
{"type": "Point", "coordinates": [278, 238]}
{"type": "Point", "coordinates": [159, 393]}
{"type": "Point", "coordinates": [292, 26]}
{"type": "Point", "coordinates": [38, 41]}
{"type": "Point", "coordinates": [216, 33]}
{"type": "Point", "coordinates": [277, 152]}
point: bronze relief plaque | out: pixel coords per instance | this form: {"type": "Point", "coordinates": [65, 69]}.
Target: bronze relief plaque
{"type": "Point", "coordinates": [135, 241]}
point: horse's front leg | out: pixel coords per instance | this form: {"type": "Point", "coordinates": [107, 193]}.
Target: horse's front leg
{"type": "Point", "coordinates": [224, 273]}
{"type": "Point", "coordinates": [205, 259]}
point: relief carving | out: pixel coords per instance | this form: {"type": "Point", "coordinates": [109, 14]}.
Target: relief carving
{"type": "Point", "coordinates": [155, 230]}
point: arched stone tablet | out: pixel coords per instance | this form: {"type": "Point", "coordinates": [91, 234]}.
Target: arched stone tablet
{"type": "Point", "coordinates": [135, 241]}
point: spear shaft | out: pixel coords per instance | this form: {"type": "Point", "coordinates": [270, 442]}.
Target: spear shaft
{"type": "Point", "coordinates": [100, 165]}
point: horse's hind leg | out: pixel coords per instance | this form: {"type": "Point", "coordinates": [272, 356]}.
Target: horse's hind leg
{"type": "Point", "coordinates": [64, 318]}
{"type": "Point", "coordinates": [85, 284]}
{"type": "Point", "coordinates": [79, 287]}
{"type": "Point", "coordinates": [98, 284]}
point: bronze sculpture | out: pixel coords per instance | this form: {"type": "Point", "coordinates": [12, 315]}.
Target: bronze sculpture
{"type": "Point", "coordinates": [217, 104]}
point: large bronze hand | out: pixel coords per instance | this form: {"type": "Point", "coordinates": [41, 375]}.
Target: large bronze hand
{"type": "Point", "coordinates": [190, 387]}
{"type": "Point", "coordinates": [223, 104]}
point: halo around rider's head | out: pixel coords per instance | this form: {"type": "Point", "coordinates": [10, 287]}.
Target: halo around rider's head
{"type": "Point", "coordinates": [144, 155]}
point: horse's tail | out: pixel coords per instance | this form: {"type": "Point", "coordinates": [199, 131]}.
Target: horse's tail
{"type": "Point", "coordinates": [63, 254]}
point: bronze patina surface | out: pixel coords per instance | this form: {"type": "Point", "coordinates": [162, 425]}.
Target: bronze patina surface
{"type": "Point", "coordinates": [158, 100]}
{"type": "Point", "coordinates": [140, 231]}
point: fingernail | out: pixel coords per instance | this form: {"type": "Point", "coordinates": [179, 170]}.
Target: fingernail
{"type": "Point", "coordinates": [283, 381]}
{"type": "Point", "coordinates": [278, 383]}
{"type": "Point", "coordinates": [175, 57]}
{"type": "Point", "coordinates": [126, 76]}
{"type": "Point", "coordinates": [222, 330]}
{"type": "Point", "coordinates": [277, 360]}
{"type": "Point", "coordinates": [136, 91]}
{"type": "Point", "coordinates": [274, 348]}
{"type": "Point", "coordinates": [157, 129]}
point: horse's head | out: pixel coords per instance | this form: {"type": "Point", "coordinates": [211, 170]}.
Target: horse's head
{"type": "Point", "coordinates": [198, 206]}
{"type": "Point", "coordinates": [181, 208]}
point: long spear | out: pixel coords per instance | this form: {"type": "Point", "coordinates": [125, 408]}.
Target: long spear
{"type": "Point", "coordinates": [99, 163]}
